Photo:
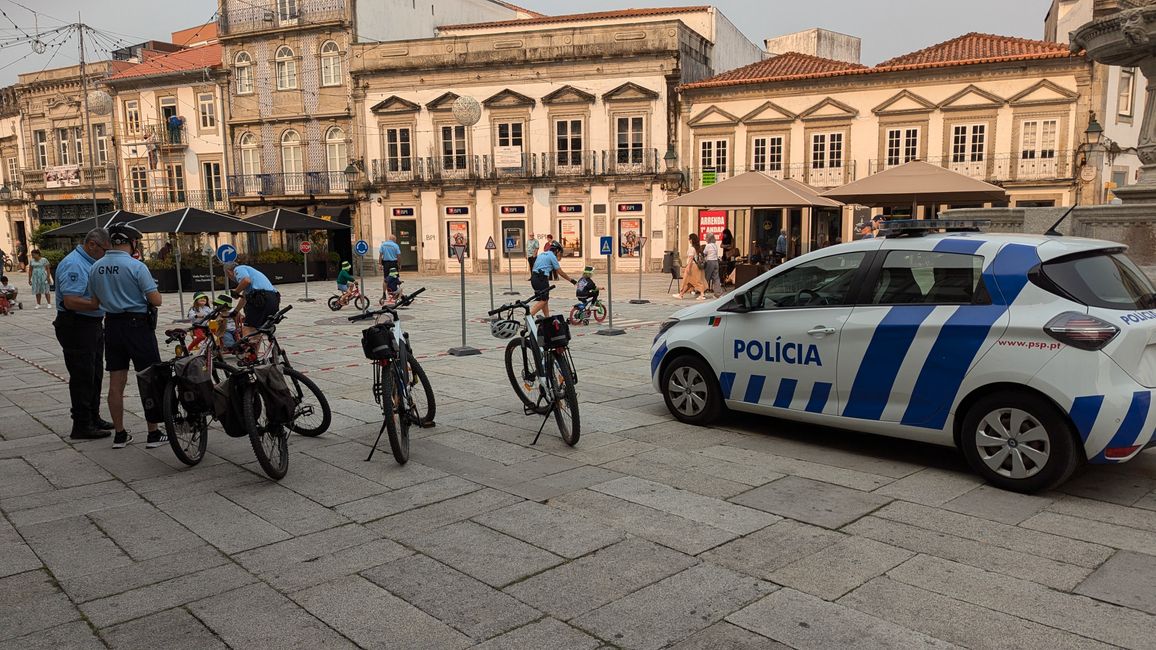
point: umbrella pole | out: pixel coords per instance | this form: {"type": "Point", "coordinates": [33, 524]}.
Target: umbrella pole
{"type": "Point", "coordinates": [180, 287]}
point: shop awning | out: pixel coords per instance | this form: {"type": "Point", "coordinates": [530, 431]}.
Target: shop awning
{"type": "Point", "coordinates": [195, 220]}
{"type": "Point", "coordinates": [755, 190]}
{"type": "Point", "coordinates": [82, 227]}
{"type": "Point", "coordinates": [334, 212]}
{"type": "Point", "coordinates": [914, 183]}
{"type": "Point", "coordinates": [292, 221]}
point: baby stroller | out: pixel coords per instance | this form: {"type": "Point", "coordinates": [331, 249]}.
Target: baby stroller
{"type": "Point", "coordinates": [8, 303]}
{"type": "Point", "coordinates": [393, 292]}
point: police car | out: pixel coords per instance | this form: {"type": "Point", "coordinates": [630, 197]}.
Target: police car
{"type": "Point", "coordinates": [1031, 354]}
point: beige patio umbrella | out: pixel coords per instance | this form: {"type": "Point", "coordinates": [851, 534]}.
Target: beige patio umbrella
{"type": "Point", "coordinates": [754, 190]}
{"type": "Point", "coordinates": [916, 181]}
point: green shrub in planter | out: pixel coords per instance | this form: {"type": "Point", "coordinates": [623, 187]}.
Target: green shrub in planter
{"type": "Point", "coordinates": [53, 255]}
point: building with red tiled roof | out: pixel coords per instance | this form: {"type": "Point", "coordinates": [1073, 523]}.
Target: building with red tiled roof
{"type": "Point", "coordinates": [193, 59]}
{"type": "Point", "coordinates": [977, 48]}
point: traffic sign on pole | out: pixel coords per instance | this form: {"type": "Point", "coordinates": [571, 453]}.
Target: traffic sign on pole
{"type": "Point", "coordinates": [490, 245]}
{"type": "Point", "coordinates": [606, 246]}
{"type": "Point", "coordinates": [463, 350]}
{"type": "Point", "coordinates": [361, 247]}
{"type": "Point", "coordinates": [306, 247]}
{"type": "Point", "coordinates": [226, 253]}
{"type": "Point", "coordinates": [511, 244]}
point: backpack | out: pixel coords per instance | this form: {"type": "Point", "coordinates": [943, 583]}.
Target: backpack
{"type": "Point", "coordinates": [152, 382]}
{"type": "Point", "coordinates": [194, 383]}
{"type": "Point", "coordinates": [700, 259]}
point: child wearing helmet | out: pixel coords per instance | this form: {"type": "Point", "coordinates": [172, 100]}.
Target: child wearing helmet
{"type": "Point", "coordinates": [344, 277]}
{"type": "Point", "coordinates": [393, 284]}
{"type": "Point", "coordinates": [200, 308]}
{"type": "Point", "coordinates": [223, 304]}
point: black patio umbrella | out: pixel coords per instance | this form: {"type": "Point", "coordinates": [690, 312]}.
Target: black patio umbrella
{"type": "Point", "coordinates": [292, 221]}
{"type": "Point", "coordinates": [193, 221]}
{"type": "Point", "coordinates": [84, 225]}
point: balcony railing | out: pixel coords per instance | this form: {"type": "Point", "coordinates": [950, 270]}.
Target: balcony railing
{"type": "Point", "coordinates": [820, 177]}
{"type": "Point", "coordinates": [552, 164]}
{"type": "Point", "coordinates": [168, 137]}
{"type": "Point", "coordinates": [154, 200]}
{"type": "Point", "coordinates": [37, 179]}
{"type": "Point", "coordinates": [1001, 168]}
{"type": "Point", "coordinates": [288, 184]}
{"type": "Point", "coordinates": [262, 15]}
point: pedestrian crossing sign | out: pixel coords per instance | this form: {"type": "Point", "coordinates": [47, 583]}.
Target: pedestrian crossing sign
{"type": "Point", "coordinates": [511, 243]}
{"type": "Point", "coordinates": [607, 247]}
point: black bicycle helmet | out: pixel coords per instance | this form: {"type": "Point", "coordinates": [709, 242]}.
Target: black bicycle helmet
{"type": "Point", "coordinates": [555, 248]}
{"type": "Point", "coordinates": [122, 233]}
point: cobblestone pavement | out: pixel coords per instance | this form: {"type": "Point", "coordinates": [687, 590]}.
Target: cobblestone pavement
{"type": "Point", "coordinates": [752, 534]}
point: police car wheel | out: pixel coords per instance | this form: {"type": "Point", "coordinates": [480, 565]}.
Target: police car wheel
{"type": "Point", "coordinates": [1019, 442]}
{"type": "Point", "coordinates": [691, 391]}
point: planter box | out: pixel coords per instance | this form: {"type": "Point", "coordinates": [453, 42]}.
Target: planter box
{"type": "Point", "coordinates": [198, 279]}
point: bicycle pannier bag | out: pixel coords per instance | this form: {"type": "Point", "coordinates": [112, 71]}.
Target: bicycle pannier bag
{"type": "Point", "coordinates": [227, 406]}
{"type": "Point", "coordinates": [194, 382]}
{"type": "Point", "coordinates": [152, 382]}
{"type": "Point", "coordinates": [554, 332]}
{"type": "Point", "coordinates": [377, 342]}
{"type": "Point", "coordinates": [280, 402]}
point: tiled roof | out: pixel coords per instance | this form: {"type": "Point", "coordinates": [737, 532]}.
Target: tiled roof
{"type": "Point", "coordinates": [585, 17]}
{"type": "Point", "coordinates": [975, 48]}
{"type": "Point", "coordinates": [190, 59]}
{"type": "Point", "coordinates": [969, 49]}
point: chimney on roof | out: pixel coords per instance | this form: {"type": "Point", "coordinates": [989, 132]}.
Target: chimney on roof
{"type": "Point", "coordinates": [817, 42]}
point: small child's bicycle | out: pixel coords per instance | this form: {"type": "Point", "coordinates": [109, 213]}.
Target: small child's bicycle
{"type": "Point", "coordinates": [586, 307]}
{"type": "Point", "coordinates": [354, 295]}
{"type": "Point", "coordinates": [8, 303]}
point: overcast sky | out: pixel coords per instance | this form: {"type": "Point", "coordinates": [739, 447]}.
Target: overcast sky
{"type": "Point", "coordinates": [887, 27]}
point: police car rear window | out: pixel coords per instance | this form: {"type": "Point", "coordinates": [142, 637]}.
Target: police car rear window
{"type": "Point", "coordinates": [1106, 280]}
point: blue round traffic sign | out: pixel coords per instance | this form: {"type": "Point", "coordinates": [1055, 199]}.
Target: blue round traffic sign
{"type": "Point", "coordinates": [226, 253]}
{"type": "Point", "coordinates": [361, 247]}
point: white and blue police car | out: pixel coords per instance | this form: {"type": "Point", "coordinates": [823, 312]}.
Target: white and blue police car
{"type": "Point", "coordinates": [1031, 354]}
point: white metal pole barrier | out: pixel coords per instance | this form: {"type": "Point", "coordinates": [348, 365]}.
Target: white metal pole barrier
{"type": "Point", "coordinates": [306, 246]}
{"type": "Point", "coordinates": [641, 263]}
{"type": "Point", "coordinates": [463, 350]}
{"type": "Point", "coordinates": [607, 249]}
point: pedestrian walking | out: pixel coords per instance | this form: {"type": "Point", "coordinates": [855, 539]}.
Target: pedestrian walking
{"type": "Point", "coordinates": [711, 254]}
{"type": "Point", "coordinates": [80, 332]}
{"type": "Point", "coordinates": [257, 298]}
{"type": "Point", "coordinates": [780, 252]}
{"type": "Point", "coordinates": [532, 246]}
{"type": "Point", "coordinates": [389, 253]}
{"type": "Point", "coordinates": [22, 256]}
{"type": "Point", "coordinates": [40, 277]}
{"type": "Point", "coordinates": [128, 294]}
{"type": "Point", "coordinates": [692, 277]}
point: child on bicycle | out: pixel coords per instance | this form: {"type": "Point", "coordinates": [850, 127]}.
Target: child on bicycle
{"type": "Point", "coordinates": [393, 287]}
{"type": "Point", "coordinates": [8, 297]}
{"type": "Point", "coordinates": [227, 325]}
{"type": "Point", "coordinates": [345, 278]}
{"type": "Point", "coordinates": [586, 290]}
{"type": "Point", "coordinates": [200, 308]}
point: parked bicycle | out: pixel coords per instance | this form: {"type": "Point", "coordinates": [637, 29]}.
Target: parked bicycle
{"type": "Point", "coordinates": [539, 366]}
{"type": "Point", "coordinates": [353, 295]}
{"type": "Point", "coordinates": [187, 407]}
{"type": "Point", "coordinates": [400, 385]}
{"type": "Point", "coordinates": [585, 308]}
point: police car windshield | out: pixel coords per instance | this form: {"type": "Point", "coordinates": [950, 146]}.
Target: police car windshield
{"type": "Point", "coordinates": [1109, 280]}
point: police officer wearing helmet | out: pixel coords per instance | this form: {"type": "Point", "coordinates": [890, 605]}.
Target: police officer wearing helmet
{"type": "Point", "coordinates": [79, 330]}
{"type": "Point", "coordinates": [128, 293]}
{"type": "Point", "coordinates": [544, 266]}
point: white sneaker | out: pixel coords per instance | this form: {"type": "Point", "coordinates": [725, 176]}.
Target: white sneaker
{"type": "Point", "coordinates": [38, 306]}
{"type": "Point", "coordinates": [676, 295]}
{"type": "Point", "coordinates": [701, 298]}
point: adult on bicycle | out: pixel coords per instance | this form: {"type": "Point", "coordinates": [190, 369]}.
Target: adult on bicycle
{"type": "Point", "coordinates": [256, 296]}
{"type": "Point", "coordinates": [546, 264]}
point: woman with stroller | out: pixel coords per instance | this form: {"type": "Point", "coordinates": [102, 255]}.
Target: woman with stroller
{"type": "Point", "coordinates": [40, 277]}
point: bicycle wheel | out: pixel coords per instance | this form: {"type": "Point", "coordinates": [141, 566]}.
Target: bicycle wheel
{"type": "Point", "coordinates": [599, 309]}
{"type": "Point", "coordinates": [565, 398]}
{"type": "Point", "coordinates": [270, 442]}
{"type": "Point", "coordinates": [574, 313]}
{"type": "Point", "coordinates": [313, 415]}
{"type": "Point", "coordinates": [396, 426]}
{"type": "Point", "coordinates": [422, 395]}
{"type": "Point", "coordinates": [334, 302]}
{"type": "Point", "coordinates": [361, 303]}
{"type": "Point", "coordinates": [523, 374]}
{"type": "Point", "coordinates": [188, 432]}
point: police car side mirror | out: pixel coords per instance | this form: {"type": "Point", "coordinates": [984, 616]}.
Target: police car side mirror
{"type": "Point", "coordinates": [740, 304]}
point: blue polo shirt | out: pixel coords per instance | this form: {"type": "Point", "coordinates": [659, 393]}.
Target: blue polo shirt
{"type": "Point", "coordinates": [258, 281]}
{"type": "Point", "coordinates": [390, 251]}
{"type": "Point", "coordinates": [121, 283]}
{"type": "Point", "coordinates": [546, 263]}
{"type": "Point", "coordinates": [72, 280]}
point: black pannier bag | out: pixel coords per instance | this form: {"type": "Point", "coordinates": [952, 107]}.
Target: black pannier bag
{"type": "Point", "coordinates": [553, 332]}
{"type": "Point", "coordinates": [280, 401]}
{"type": "Point", "coordinates": [227, 405]}
{"type": "Point", "coordinates": [194, 383]}
{"type": "Point", "coordinates": [152, 382]}
{"type": "Point", "coordinates": [377, 342]}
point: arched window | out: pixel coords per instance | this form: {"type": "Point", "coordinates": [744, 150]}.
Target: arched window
{"type": "Point", "coordinates": [243, 66]}
{"type": "Point", "coordinates": [291, 165]}
{"type": "Point", "coordinates": [250, 163]}
{"type": "Point", "coordinates": [330, 64]}
{"type": "Point", "coordinates": [335, 152]}
{"type": "Point", "coordinates": [286, 68]}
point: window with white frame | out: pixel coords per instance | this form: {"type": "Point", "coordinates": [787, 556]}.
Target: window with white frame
{"type": "Point", "coordinates": [13, 168]}
{"type": "Point", "coordinates": [827, 150]}
{"type": "Point", "coordinates": [287, 9]}
{"type": "Point", "coordinates": [714, 155]}
{"type": "Point", "coordinates": [132, 116]}
{"type": "Point", "coordinates": [207, 110]}
{"type": "Point", "coordinates": [568, 142]}
{"type": "Point", "coordinates": [243, 69]}
{"type": "Point", "coordinates": [78, 144]}
{"type": "Point", "coordinates": [399, 149]}
{"type": "Point", "coordinates": [902, 145]}
{"type": "Point", "coordinates": [250, 159]}
{"type": "Point", "coordinates": [630, 133]}
{"type": "Point", "coordinates": [139, 182]}
{"type": "Point", "coordinates": [63, 147]}
{"type": "Point", "coordinates": [509, 134]}
{"type": "Point", "coordinates": [41, 139]}
{"type": "Point", "coordinates": [175, 182]}
{"type": "Point", "coordinates": [286, 68]}
{"type": "Point", "coordinates": [100, 138]}
{"type": "Point", "coordinates": [330, 64]}
{"type": "Point", "coordinates": [453, 142]}
{"type": "Point", "coordinates": [968, 143]}
{"type": "Point", "coordinates": [335, 153]}
{"type": "Point", "coordinates": [767, 153]}
{"type": "Point", "coordinates": [211, 180]}
{"type": "Point", "coordinates": [291, 161]}
{"type": "Point", "coordinates": [1126, 93]}
{"type": "Point", "coordinates": [1038, 138]}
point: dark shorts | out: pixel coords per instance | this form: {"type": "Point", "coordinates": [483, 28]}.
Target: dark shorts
{"type": "Point", "coordinates": [541, 285]}
{"type": "Point", "coordinates": [386, 265]}
{"type": "Point", "coordinates": [259, 306]}
{"type": "Point", "coordinates": [128, 339]}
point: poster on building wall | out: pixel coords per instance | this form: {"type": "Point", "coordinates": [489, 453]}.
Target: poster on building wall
{"type": "Point", "coordinates": [713, 222]}
{"type": "Point", "coordinates": [457, 234]}
{"type": "Point", "coordinates": [629, 231]}
{"type": "Point", "coordinates": [508, 157]}
{"type": "Point", "coordinates": [62, 176]}
{"type": "Point", "coordinates": [570, 233]}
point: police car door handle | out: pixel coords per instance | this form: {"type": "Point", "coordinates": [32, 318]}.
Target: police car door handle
{"type": "Point", "coordinates": [821, 331]}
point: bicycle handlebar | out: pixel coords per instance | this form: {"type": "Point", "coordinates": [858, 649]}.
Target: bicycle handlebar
{"type": "Point", "coordinates": [521, 304]}
{"type": "Point", "coordinates": [405, 302]}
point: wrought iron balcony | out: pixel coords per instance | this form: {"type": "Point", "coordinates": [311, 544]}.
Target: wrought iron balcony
{"type": "Point", "coordinates": [155, 200]}
{"type": "Point", "coordinates": [166, 136]}
{"type": "Point", "coordinates": [818, 177]}
{"type": "Point", "coordinates": [435, 170]}
{"type": "Point", "coordinates": [288, 184]}
{"type": "Point", "coordinates": [67, 176]}
{"type": "Point", "coordinates": [1002, 168]}
{"type": "Point", "coordinates": [262, 15]}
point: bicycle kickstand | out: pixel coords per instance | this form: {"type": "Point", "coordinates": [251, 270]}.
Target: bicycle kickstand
{"type": "Point", "coordinates": [545, 419]}
{"type": "Point", "coordinates": [375, 442]}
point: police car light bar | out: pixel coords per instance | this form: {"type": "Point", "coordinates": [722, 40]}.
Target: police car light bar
{"type": "Point", "coordinates": [919, 227]}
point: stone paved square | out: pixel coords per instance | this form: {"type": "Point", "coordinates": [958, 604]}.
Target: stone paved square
{"type": "Point", "coordinates": [754, 533]}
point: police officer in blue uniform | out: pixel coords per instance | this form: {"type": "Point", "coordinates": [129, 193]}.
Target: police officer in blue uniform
{"type": "Point", "coordinates": [81, 335]}
{"type": "Point", "coordinates": [127, 292]}
{"type": "Point", "coordinates": [258, 298]}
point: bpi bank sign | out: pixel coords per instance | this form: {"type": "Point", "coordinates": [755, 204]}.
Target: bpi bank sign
{"type": "Point", "coordinates": [711, 221]}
